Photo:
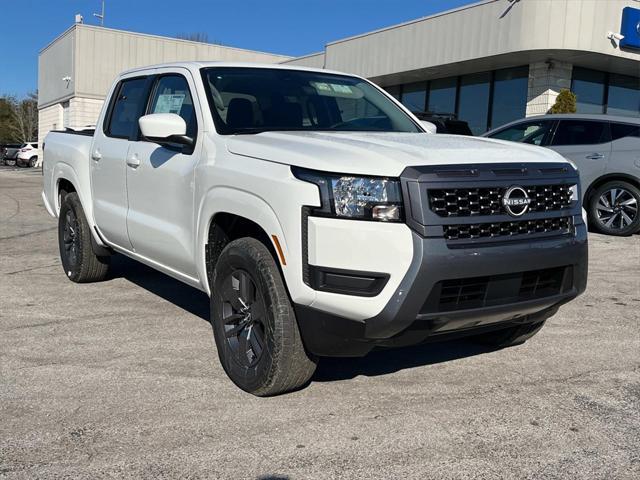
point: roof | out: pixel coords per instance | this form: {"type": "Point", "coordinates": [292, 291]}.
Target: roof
{"type": "Point", "coordinates": [586, 116]}
{"type": "Point", "coordinates": [198, 65]}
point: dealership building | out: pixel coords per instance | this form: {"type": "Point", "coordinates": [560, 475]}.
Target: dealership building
{"type": "Point", "coordinates": [489, 62]}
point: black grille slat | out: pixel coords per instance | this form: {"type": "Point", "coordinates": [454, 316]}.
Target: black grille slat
{"type": "Point", "coordinates": [558, 225]}
{"type": "Point", "coordinates": [468, 202]}
{"type": "Point", "coordinates": [467, 293]}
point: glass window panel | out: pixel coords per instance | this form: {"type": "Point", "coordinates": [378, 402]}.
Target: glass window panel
{"type": "Point", "coordinates": [624, 95]}
{"type": "Point", "coordinates": [533, 132]}
{"type": "Point", "coordinates": [442, 95]}
{"type": "Point", "coordinates": [172, 95]}
{"type": "Point", "coordinates": [394, 91]}
{"type": "Point", "coordinates": [588, 85]}
{"type": "Point", "coordinates": [473, 104]}
{"type": "Point", "coordinates": [509, 95]}
{"type": "Point", "coordinates": [126, 108]}
{"type": "Point", "coordinates": [624, 130]}
{"type": "Point", "coordinates": [580, 132]}
{"type": "Point", "coordinates": [414, 96]}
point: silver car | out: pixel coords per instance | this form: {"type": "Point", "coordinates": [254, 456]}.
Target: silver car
{"type": "Point", "coordinates": [606, 150]}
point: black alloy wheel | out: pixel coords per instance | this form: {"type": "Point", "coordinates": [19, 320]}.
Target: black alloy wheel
{"type": "Point", "coordinates": [243, 316]}
{"type": "Point", "coordinates": [71, 239]}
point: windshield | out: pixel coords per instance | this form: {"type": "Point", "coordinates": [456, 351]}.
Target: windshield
{"type": "Point", "coordinates": [254, 100]}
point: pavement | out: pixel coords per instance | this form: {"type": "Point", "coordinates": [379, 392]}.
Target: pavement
{"type": "Point", "coordinates": [120, 379]}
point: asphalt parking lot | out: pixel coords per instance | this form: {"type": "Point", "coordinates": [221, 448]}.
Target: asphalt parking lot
{"type": "Point", "coordinates": [121, 379]}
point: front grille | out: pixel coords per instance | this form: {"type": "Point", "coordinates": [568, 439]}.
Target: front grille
{"type": "Point", "coordinates": [558, 225]}
{"type": "Point", "coordinates": [468, 202]}
{"type": "Point", "coordinates": [479, 292]}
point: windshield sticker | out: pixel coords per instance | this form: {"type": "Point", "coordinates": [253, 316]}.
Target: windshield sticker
{"type": "Point", "coordinates": [169, 103]}
{"type": "Point", "coordinates": [336, 90]}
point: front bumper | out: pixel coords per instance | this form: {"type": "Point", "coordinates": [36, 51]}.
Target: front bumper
{"type": "Point", "coordinates": [407, 318]}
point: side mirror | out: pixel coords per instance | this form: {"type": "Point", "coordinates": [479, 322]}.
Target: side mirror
{"type": "Point", "coordinates": [428, 126]}
{"type": "Point", "coordinates": [165, 129]}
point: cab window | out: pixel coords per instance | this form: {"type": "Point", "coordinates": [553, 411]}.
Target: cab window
{"type": "Point", "coordinates": [125, 109]}
{"type": "Point", "coordinates": [534, 133]}
{"type": "Point", "coordinates": [171, 95]}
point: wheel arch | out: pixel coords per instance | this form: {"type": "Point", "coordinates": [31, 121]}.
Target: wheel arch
{"type": "Point", "coordinates": [244, 215]}
{"type": "Point", "coordinates": [609, 177]}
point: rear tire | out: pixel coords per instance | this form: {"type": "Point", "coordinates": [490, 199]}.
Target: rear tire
{"type": "Point", "coordinates": [614, 209]}
{"type": "Point", "coordinates": [80, 263]}
{"type": "Point", "coordinates": [254, 324]}
{"type": "Point", "coordinates": [509, 337]}
{"type": "Point", "coordinates": [33, 161]}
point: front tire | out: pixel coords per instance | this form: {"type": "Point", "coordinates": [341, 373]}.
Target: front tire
{"type": "Point", "coordinates": [80, 263]}
{"type": "Point", "coordinates": [254, 324]}
{"type": "Point", "coordinates": [613, 209]}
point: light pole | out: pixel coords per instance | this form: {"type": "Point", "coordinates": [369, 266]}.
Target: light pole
{"type": "Point", "coordinates": [100, 15]}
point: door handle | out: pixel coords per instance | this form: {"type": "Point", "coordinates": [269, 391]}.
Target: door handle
{"type": "Point", "coordinates": [133, 161]}
{"type": "Point", "coordinates": [96, 155]}
{"type": "Point", "coordinates": [595, 156]}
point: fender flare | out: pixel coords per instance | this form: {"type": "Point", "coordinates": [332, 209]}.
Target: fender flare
{"type": "Point", "coordinates": [245, 204]}
{"type": "Point", "coordinates": [64, 171]}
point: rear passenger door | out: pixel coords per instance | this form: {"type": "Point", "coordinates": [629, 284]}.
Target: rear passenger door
{"type": "Point", "coordinates": [160, 180]}
{"type": "Point", "coordinates": [585, 142]}
{"type": "Point", "coordinates": [625, 149]}
{"type": "Point", "coordinates": [107, 163]}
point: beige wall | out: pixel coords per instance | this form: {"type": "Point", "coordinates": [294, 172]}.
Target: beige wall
{"type": "Point", "coordinates": [56, 62]}
{"type": "Point", "coordinates": [315, 60]}
{"type": "Point", "coordinates": [102, 54]}
{"type": "Point", "coordinates": [84, 112]}
{"type": "Point", "coordinates": [49, 118]}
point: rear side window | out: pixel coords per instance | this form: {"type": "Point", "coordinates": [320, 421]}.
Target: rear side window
{"type": "Point", "coordinates": [624, 130]}
{"type": "Point", "coordinates": [126, 108]}
{"type": "Point", "coordinates": [172, 95]}
{"type": "Point", "coordinates": [580, 132]}
{"type": "Point", "coordinates": [532, 133]}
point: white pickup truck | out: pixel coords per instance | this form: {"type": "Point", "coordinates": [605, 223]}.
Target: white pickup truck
{"type": "Point", "coordinates": [317, 212]}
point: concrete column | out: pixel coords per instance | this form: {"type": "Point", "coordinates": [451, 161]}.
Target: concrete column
{"type": "Point", "coordinates": [546, 79]}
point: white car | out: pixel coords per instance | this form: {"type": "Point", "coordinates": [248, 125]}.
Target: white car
{"type": "Point", "coordinates": [318, 214]}
{"type": "Point", "coordinates": [27, 155]}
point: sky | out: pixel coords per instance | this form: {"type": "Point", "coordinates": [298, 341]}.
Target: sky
{"type": "Point", "coordinates": [288, 27]}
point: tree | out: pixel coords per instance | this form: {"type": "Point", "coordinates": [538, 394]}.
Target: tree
{"type": "Point", "coordinates": [7, 134]}
{"type": "Point", "coordinates": [194, 37]}
{"type": "Point", "coordinates": [565, 103]}
{"type": "Point", "coordinates": [19, 118]}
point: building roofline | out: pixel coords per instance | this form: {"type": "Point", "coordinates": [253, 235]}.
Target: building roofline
{"type": "Point", "coordinates": [160, 37]}
{"type": "Point", "coordinates": [410, 22]}
{"type": "Point", "coordinates": [59, 37]}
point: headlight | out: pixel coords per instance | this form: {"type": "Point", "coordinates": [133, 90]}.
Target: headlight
{"type": "Point", "coordinates": [361, 198]}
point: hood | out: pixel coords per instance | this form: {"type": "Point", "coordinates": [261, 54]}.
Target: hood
{"type": "Point", "coordinates": [381, 153]}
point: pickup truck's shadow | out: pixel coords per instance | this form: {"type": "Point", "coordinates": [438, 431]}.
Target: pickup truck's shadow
{"type": "Point", "coordinates": [378, 362]}
{"type": "Point", "coordinates": [188, 298]}
{"type": "Point", "coordinates": [382, 362]}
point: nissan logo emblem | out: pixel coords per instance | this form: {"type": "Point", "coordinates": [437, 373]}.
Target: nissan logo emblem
{"type": "Point", "coordinates": [516, 201]}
